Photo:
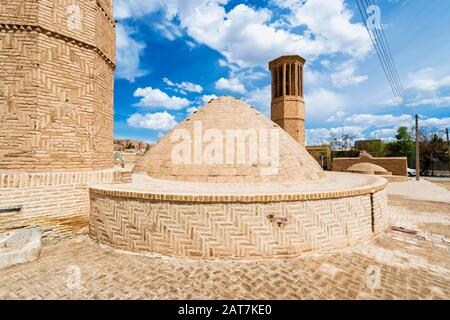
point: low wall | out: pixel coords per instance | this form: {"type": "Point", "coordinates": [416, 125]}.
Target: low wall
{"type": "Point", "coordinates": [58, 202]}
{"type": "Point", "coordinates": [210, 228]}
{"type": "Point", "coordinates": [397, 165]}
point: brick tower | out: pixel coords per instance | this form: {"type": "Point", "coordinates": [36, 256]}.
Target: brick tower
{"type": "Point", "coordinates": [57, 61]}
{"type": "Point", "coordinates": [288, 104]}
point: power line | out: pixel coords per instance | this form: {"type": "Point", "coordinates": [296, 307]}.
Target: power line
{"type": "Point", "coordinates": [379, 31]}
{"type": "Point", "coordinates": [387, 50]}
{"type": "Point", "coordinates": [386, 59]}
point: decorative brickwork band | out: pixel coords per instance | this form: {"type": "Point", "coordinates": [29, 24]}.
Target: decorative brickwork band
{"type": "Point", "coordinates": [240, 198]}
{"type": "Point", "coordinates": [39, 29]}
{"type": "Point", "coordinates": [234, 230]}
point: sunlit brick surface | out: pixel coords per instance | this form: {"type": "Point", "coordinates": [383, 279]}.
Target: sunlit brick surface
{"type": "Point", "coordinates": [56, 87]}
{"type": "Point", "coordinates": [410, 267]}
{"type": "Point", "coordinates": [224, 114]}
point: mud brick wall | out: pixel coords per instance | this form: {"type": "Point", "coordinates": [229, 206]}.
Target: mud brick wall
{"type": "Point", "coordinates": [56, 86]}
{"type": "Point", "coordinates": [397, 165]}
{"type": "Point", "coordinates": [233, 229]}
{"type": "Point", "coordinates": [58, 202]}
{"type": "Point", "coordinates": [57, 62]}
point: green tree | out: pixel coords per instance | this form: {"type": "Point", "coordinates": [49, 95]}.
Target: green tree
{"type": "Point", "coordinates": [432, 149]}
{"type": "Point", "coordinates": [402, 146]}
{"type": "Point", "coordinates": [376, 148]}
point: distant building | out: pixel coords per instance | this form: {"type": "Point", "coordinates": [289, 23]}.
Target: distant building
{"type": "Point", "coordinates": [124, 144]}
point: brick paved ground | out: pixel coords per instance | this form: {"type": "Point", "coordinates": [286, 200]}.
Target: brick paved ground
{"type": "Point", "coordinates": [410, 266]}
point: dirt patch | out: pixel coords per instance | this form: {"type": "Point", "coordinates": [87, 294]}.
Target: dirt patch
{"type": "Point", "coordinates": [436, 228]}
{"type": "Point", "coordinates": [444, 184]}
{"type": "Point", "coordinates": [419, 206]}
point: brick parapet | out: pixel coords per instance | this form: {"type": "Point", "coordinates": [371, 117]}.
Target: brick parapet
{"type": "Point", "coordinates": [50, 179]}
{"type": "Point", "coordinates": [234, 229]}
{"type": "Point", "coordinates": [226, 198]}
{"type": "Point", "coordinates": [396, 165]}
{"type": "Point", "coordinates": [57, 202]}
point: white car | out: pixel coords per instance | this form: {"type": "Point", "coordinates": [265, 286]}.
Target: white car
{"type": "Point", "coordinates": [411, 172]}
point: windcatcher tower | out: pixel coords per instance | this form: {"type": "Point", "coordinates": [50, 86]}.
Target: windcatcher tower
{"type": "Point", "coordinates": [288, 104]}
{"type": "Point", "coordinates": [57, 61]}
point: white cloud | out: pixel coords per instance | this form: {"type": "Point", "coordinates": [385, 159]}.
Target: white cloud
{"type": "Point", "coordinates": [321, 103]}
{"type": "Point", "coordinates": [379, 120]}
{"type": "Point", "coordinates": [168, 30]}
{"type": "Point", "coordinates": [184, 86]}
{"type": "Point", "coordinates": [245, 35]}
{"type": "Point", "coordinates": [440, 123]}
{"type": "Point", "coordinates": [156, 98]}
{"type": "Point", "coordinates": [319, 136]}
{"type": "Point", "coordinates": [330, 23]}
{"type": "Point", "coordinates": [384, 134]}
{"type": "Point", "coordinates": [434, 101]}
{"type": "Point", "coordinates": [124, 9]}
{"type": "Point", "coordinates": [260, 98]}
{"type": "Point", "coordinates": [208, 97]}
{"type": "Point", "coordinates": [223, 63]}
{"type": "Point", "coordinates": [337, 117]}
{"type": "Point", "coordinates": [233, 84]}
{"type": "Point", "coordinates": [191, 110]}
{"type": "Point", "coordinates": [363, 126]}
{"type": "Point", "coordinates": [129, 53]}
{"type": "Point", "coordinates": [191, 44]}
{"type": "Point", "coordinates": [168, 82]}
{"type": "Point", "coordinates": [248, 37]}
{"type": "Point", "coordinates": [159, 121]}
{"type": "Point", "coordinates": [345, 75]}
{"type": "Point", "coordinates": [312, 77]}
{"type": "Point", "coordinates": [391, 101]}
{"type": "Point", "coordinates": [428, 80]}
{"type": "Point", "coordinates": [426, 86]}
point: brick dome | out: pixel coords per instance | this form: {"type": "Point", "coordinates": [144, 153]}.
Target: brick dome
{"type": "Point", "coordinates": [367, 168]}
{"type": "Point", "coordinates": [221, 118]}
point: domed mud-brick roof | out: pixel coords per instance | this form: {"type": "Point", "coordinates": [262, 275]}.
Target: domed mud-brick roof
{"type": "Point", "coordinates": [367, 168]}
{"type": "Point", "coordinates": [222, 115]}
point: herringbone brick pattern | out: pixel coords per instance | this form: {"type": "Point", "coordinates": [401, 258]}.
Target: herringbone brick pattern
{"type": "Point", "coordinates": [234, 229]}
{"type": "Point", "coordinates": [56, 97]}
{"type": "Point", "coordinates": [280, 158]}
{"type": "Point", "coordinates": [395, 265]}
{"type": "Point", "coordinates": [57, 202]}
{"type": "Point", "coordinates": [105, 274]}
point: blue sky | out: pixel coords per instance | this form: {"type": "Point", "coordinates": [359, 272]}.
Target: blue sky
{"type": "Point", "coordinates": [175, 55]}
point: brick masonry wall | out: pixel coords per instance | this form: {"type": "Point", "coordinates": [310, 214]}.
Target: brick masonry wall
{"type": "Point", "coordinates": [234, 229]}
{"type": "Point", "coordinates": [57, 59]}
{"type": "Point", "coordinates": [56, 85]}
{"type": "Point", "coordinates": [396, 165]}
{"type": "Point", "coordinates": [289, 113]}
{"type": "Point", "coordinates": [58, 202]}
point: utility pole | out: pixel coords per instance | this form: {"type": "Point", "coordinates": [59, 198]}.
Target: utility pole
{"type": "Point", "coordinates": [417, 149]}
{"type": "Point", "coordinates": [448, 149]}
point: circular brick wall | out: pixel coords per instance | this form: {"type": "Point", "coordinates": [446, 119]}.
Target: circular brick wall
{"type": "Point", "coordinates": [152, 217]}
